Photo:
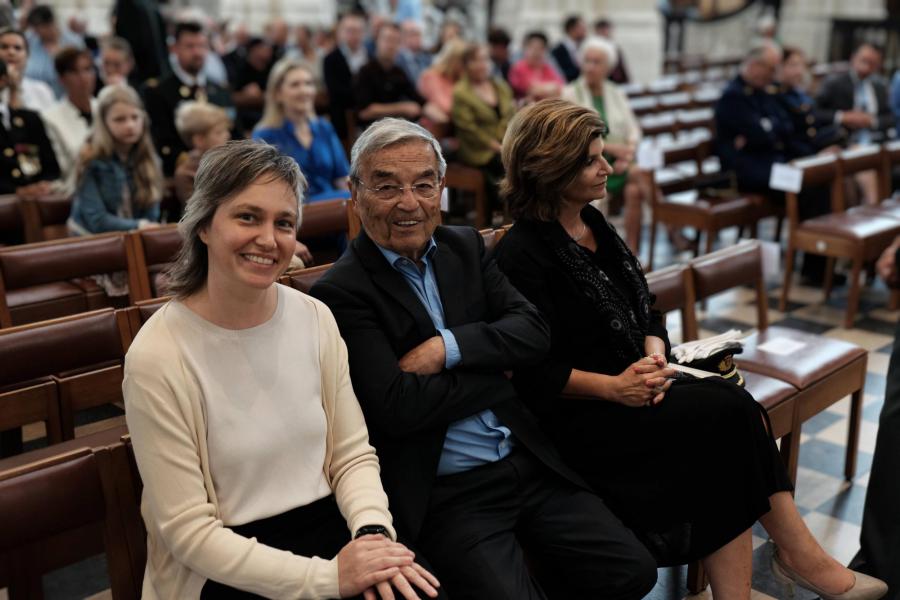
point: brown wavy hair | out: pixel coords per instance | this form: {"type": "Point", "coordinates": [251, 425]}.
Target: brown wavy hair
{"type": "Point", "coordinates": [544, 151]}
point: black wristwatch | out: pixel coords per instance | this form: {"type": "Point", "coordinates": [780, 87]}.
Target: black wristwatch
{"type": "Point", "coordinates": [371, 530]}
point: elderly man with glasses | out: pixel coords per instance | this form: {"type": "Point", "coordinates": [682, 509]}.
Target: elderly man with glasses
{"type": "Point", "coordinates": [431, 327]}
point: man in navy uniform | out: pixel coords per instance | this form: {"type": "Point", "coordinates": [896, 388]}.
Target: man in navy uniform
{"type": "Point", "coordinates": [185, 82]}
{"type": "Point", "coordinates": [27, 161]}
{"type": "Point", "coordinates": [755, 130]}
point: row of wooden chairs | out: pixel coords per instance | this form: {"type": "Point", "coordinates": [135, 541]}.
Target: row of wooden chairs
{"type": "Point", "coordinates": [821, 370]}
{"type": "Point", "coordinates": [51, 279]}
{"type": "Point", "coordinates": [76, 503]}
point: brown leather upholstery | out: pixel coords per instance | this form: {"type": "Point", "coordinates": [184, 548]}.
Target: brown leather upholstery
{"type": "Point", "coordinates": [490, 239]}
{"type": "Point", "coordinates": [824, 370]}
{"type": "Point", "coordinates": [776, 396]}
{"type": "Point", "coordinates": [323, 218]}
{"type": "Point", "coordinates": [45, 218]}
{"type": "Point", "coordinates": [82, 353]}
{"type": "Point", "coordinates": [154, 249]}
{"type": "Point", "coordinates": [687, 208]}
{"type": "Point", "coordinates": [818, 358]}
{"type": "Point", "coordinates": [469, 179]}
{"type": "Point", "coordinates": [37, 279]}
{"type": "Point", "coordinates": [12, 228]}
{"type": "Point", "coordinates": [304, 279]}
{"type": "Point", "coordinates": [57, 512]}
{"type": "Point", "coordinates": [138, 314]}
{"type": "Point", "coordinates": [859, 236]}
{"type": "Point", "coordinates": [673, 287]}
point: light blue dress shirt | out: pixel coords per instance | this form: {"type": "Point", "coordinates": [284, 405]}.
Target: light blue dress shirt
{"type": "Point", "coordinates": [476, 440]}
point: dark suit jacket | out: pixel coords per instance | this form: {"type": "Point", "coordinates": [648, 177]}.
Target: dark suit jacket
{"type": "Point", "coordinates": [162, 97]}
{"type": "Point", "coordinates": [339, 83]}
{"type": "Point", "coordinates": [565, 63]}
{"type": "Point", "coordinates": [381, 319]}
{"type": "Point", "coordinates": [836, 93]}
{"type": "Point", "coordinates": [27, 155]}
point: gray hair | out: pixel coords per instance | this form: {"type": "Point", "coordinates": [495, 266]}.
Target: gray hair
{"type": "Point", "coordinates": [224, 172]}
{"type": "Point", "coordinates": [389, 132]}
{"type": "Point", "coordinates": [601, 44]}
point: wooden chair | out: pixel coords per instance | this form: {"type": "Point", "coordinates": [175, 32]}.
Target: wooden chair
{"type": "Point", "coordinates": [674, 289]}
{"type": "Point", "coordinates": [57, 512]}
{"type": "Point", "coordinates": [677, 204]}
{"type": "Point", "coordinates": [138, 314]}
{"type": "Point", "coordinates": [129, 488]}
{"type": "Point", "coordinates": [154, 251]}
{"type": "Point", "coordinates": [51, 279]}
{"type": "Point", "coordinates": [470, 180]}
{"type": "Point", "coordinates": [304, 279]}
{"type": "Point", "coordinates": [45, 217]}
{"type": "Point", "coordinates": [823, 370]}
{"type": "Point", "coordinates": [12, 227]}
{"type": "Point", "coordinates": [81, 356]}
{"type": "Point", "coordinates": [857, 236]}
{"type": "Point", "coordinates": [324, 223]}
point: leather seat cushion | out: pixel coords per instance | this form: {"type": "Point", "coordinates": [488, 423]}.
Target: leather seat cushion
{"type": "Point", "coordinates": [853, 225]}
{"type": "Point", "coordinates": [815, 359]}
{"type": "Point", "coordinates": [768, 391]}
{"type": "Point", "coordinates": [46, 292]}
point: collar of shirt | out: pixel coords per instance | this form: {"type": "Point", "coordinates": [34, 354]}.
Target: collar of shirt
{"type": "Point", "coordinates": [395, 259]}
{"type": "Point", "coordinates": [355, 60]}
{"type": "Point", "coordinates": [572, 47]}
{"type": "Point", "coordinates": [184, 77]}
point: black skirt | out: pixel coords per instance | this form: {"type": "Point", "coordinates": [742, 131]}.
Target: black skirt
{"type": "Point", "coordinates": [687, 475]}
{"type": "Point", "coordinates": [316, 529]}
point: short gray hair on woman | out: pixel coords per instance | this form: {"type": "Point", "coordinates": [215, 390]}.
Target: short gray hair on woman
{"type": "Point", "coordinates": [224, 172]}
{"type": "Point", "coordinates": [601, 44]}
{"type": "Point", "coordinates": [389, 132]}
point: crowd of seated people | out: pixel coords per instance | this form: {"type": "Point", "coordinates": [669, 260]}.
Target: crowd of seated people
{"type": "Point", "coordinates": [461, 366]}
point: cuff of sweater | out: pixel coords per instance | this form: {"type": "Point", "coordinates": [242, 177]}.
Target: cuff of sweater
{"type": "Point", "coordinates": [325, 581]}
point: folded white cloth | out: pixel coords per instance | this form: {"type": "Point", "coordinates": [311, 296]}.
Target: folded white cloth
{"type": "Point", "coordinates": [688, 352]}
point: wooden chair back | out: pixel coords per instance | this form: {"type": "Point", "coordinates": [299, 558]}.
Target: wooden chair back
{"type": "Point", "coordinates": [673, 287]}
{"type": "Point", "coordinates": [304, 279]}
{"type": "Point", "coordinates": [818, 171]}
{"type": "Point", "coordinates": [154, 250]}
{"type": "Point", "coordinates": [12, 227]}
{"type": "Point", "coordinates": [57, 512]}
{"type": "Point", "coordinates": [728, 268]}
{"type": "Point", "coordinates": [45, 217]}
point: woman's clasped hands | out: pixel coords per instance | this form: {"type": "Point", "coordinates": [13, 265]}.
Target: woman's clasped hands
{"type": "Point", "coordinates": [644, 382]}
{"type": "Point", "coordinates": [375, 566]}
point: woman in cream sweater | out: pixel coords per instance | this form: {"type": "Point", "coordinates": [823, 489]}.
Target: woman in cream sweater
{"type": "Point", "coordinates": [258, 475]}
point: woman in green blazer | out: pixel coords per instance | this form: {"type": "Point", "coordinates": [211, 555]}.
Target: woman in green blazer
{"type": "Point", "coordinates": [482, 107]}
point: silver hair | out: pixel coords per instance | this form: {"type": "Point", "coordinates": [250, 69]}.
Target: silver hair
{"type": "Point", "coordinates": [389, 132]}
{"type": "Point", "coordinates": [601, 44]}
{"type": "Point", "coordinates": [224, 172]}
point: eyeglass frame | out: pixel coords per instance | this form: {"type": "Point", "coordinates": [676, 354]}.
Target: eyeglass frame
{"type": "Point", "coordinates": [400, 189]}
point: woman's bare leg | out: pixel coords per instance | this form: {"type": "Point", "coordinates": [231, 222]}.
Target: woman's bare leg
{"type": "Point", "coordinates": [800, 550]}
{"type": "Point", "coordinates": [730, 567]}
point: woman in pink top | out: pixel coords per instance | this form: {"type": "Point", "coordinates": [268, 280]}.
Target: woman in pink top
{"type": "Point", "coordinates": [437, 81]}
{"type": "Point", "coordinates": [532, 77]}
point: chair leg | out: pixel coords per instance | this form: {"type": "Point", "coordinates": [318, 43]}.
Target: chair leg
{"type": "Point", "coordinates": [778, 223]}
{"type": "Point", "coordinates": [853, 298]}
{"type": "Point", "coordinates": [652, 241]}
{"type": "Point", "coordinates": [696, 579]}
{"type": "Point", "coordinates": [788, 273]}
{"type": "Point", "coordinates": [894, 302]}
{"type": "Point", "coordinates": [710, 239]}
{"type": "Point", "coordinates": [828, 283]}
{"type": "Point", "coordinates": [856, 400]}
{"type": "Point", "coordinates": [790, 448]}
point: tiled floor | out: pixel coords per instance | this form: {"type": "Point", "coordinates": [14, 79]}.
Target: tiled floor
{"type": "Point", "coordinates": [831, 507]}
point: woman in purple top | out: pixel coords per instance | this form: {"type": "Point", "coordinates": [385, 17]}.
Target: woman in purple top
{"type": "Point", "coordinates": [289, 123]}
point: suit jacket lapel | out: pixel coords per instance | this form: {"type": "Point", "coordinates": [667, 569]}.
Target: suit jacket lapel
{"type": "Point", "coordinates": [448, 270]}
{"type": "Point", "coordinates": [392, 283]}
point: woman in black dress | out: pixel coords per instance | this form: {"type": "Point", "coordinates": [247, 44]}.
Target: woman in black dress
{"type": "Point", "coordinates": [690, 466]}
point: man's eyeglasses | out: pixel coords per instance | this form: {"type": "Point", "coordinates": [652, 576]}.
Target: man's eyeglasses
{"type": "Point", "coordinates": [391, 191]}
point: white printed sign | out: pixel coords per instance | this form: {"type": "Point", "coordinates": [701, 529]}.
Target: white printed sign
{"type": "Point", "coordinates": [785, 178]}
{"type": "Point", "coordinates": [781, 346]}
